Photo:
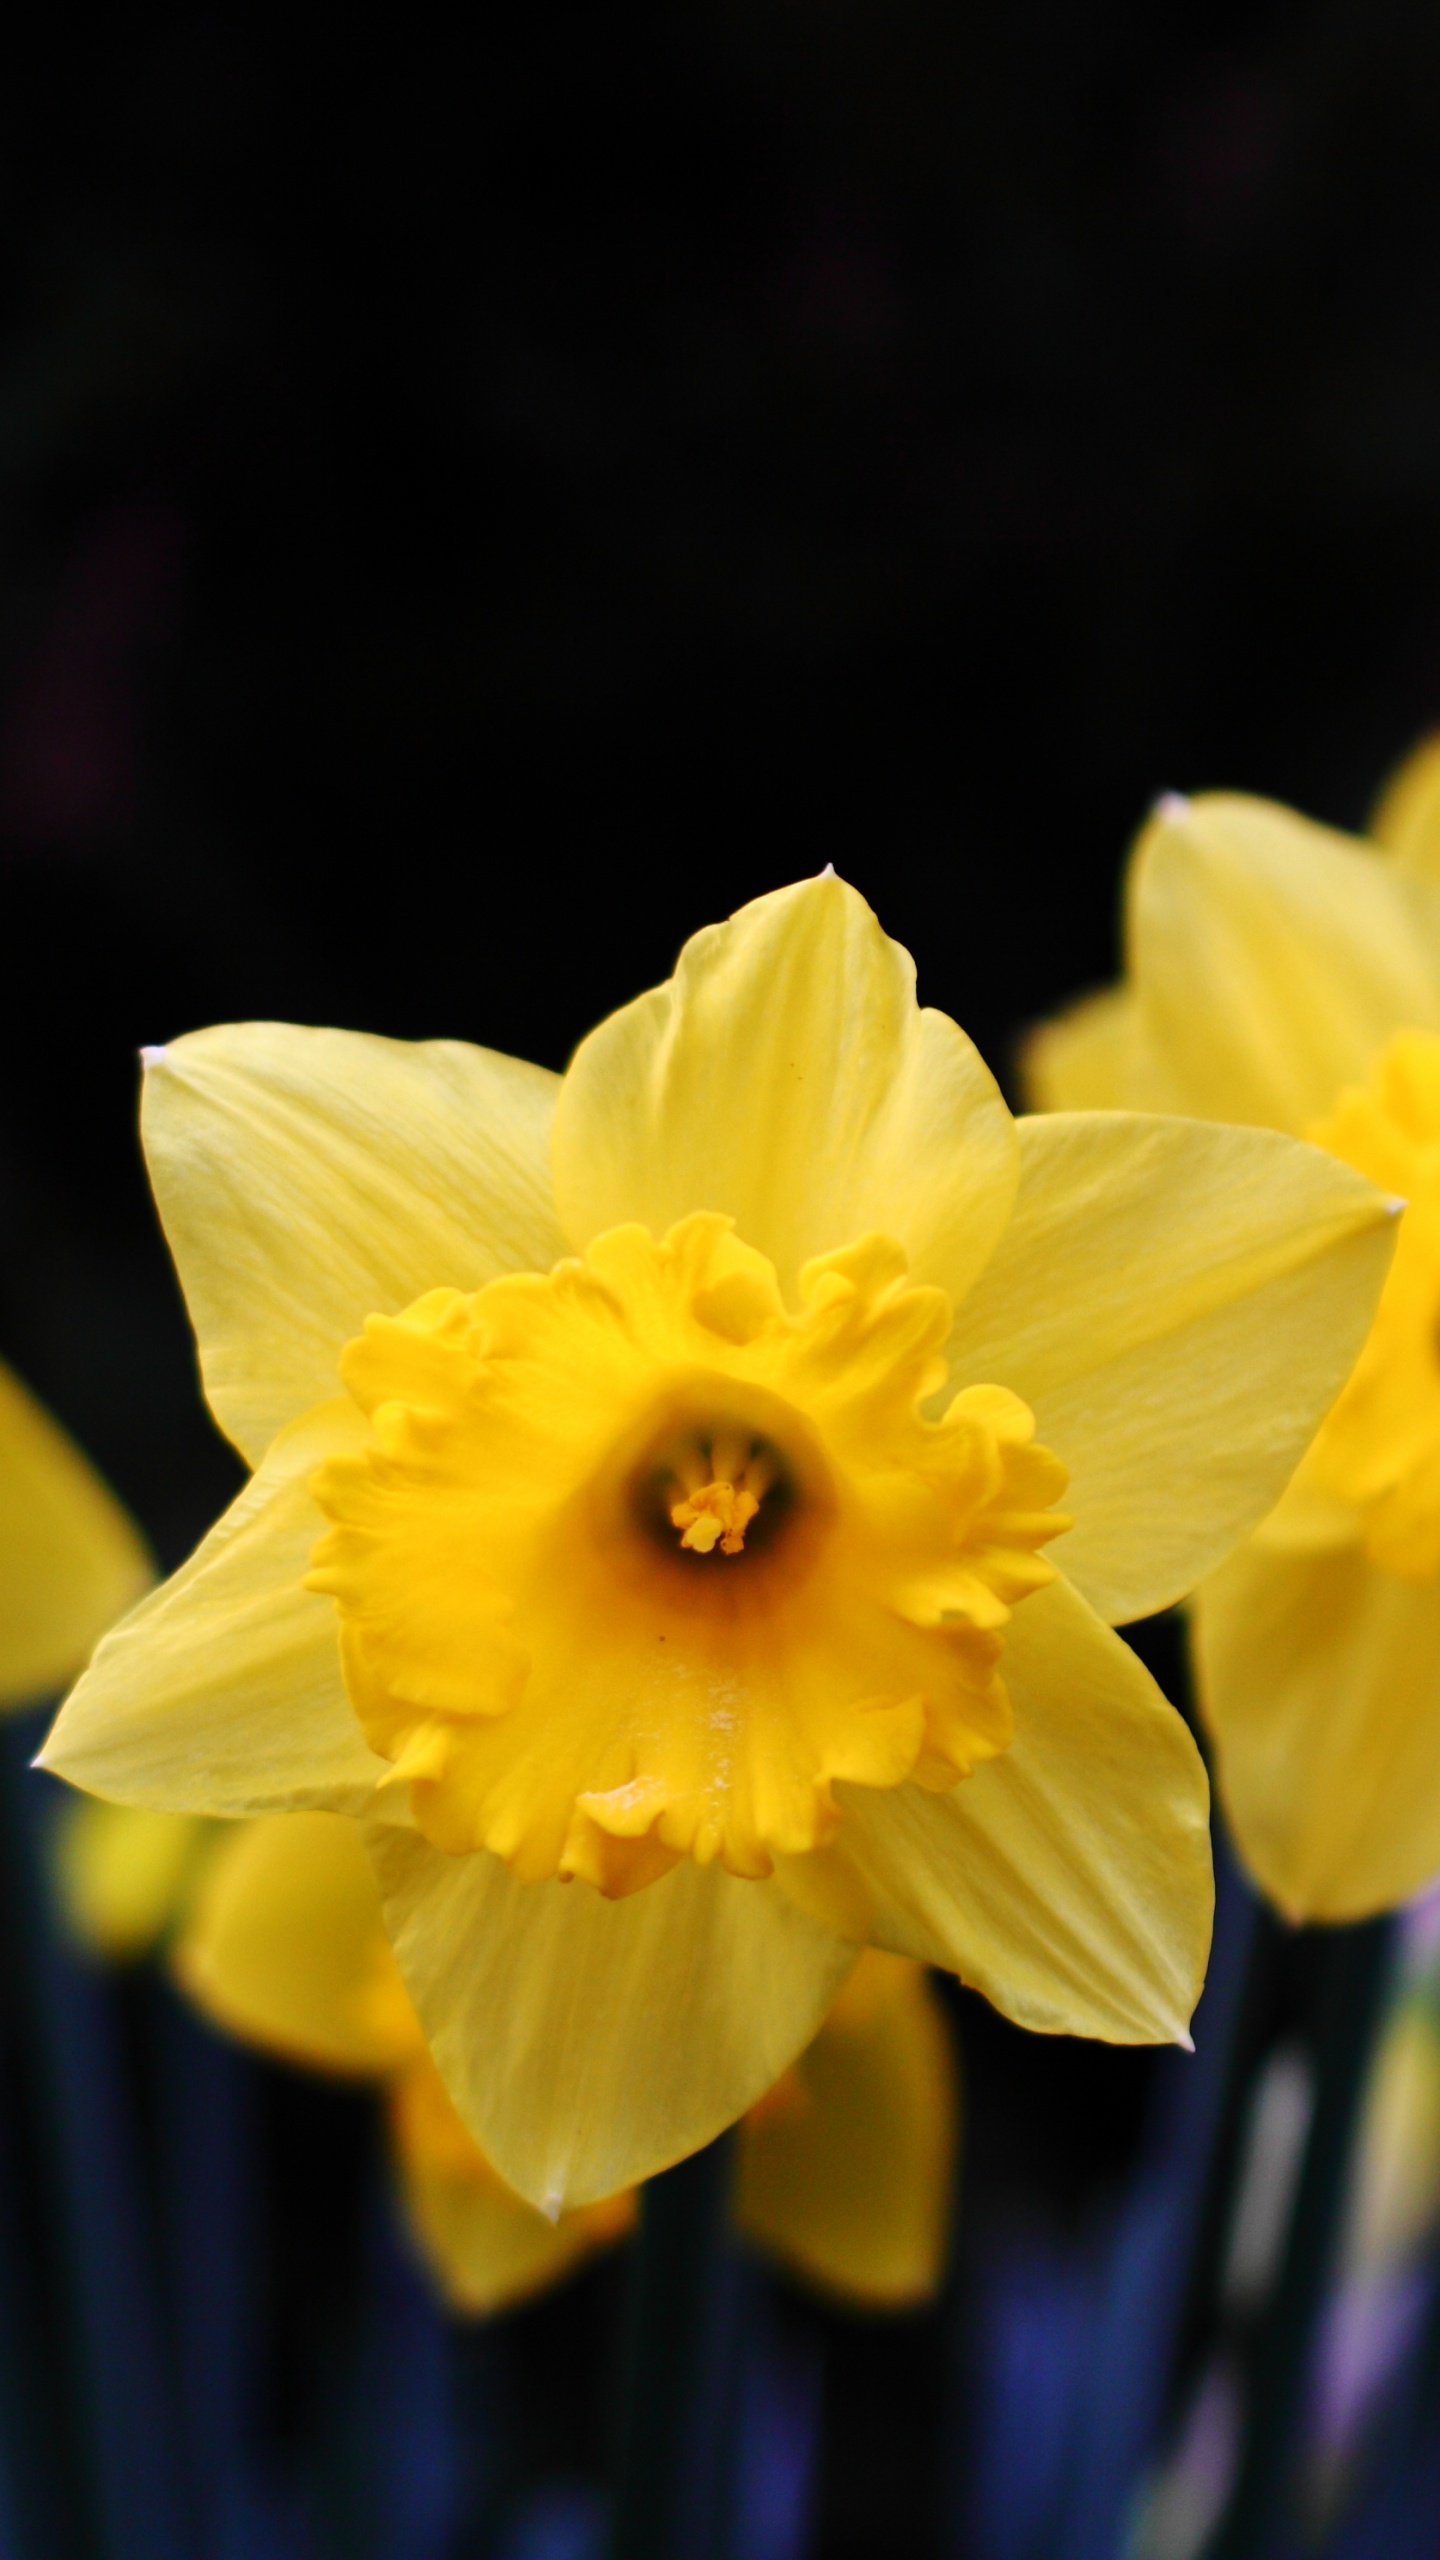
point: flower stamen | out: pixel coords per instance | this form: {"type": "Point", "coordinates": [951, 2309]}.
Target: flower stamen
{"type": "Point", "coordinates": [718, 1515]}
{"type": "Point", "coordinates": [717, 1483]}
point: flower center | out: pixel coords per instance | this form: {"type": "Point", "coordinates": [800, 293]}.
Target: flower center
{"type": "Point", "coordinates": [716, 1490]}
{"type": "Point", "coordinates": [710, 1483]}
{"type": "Point", "coordinates": [639, 1563]}
{"type": "Point", "coordinates": [716, 1515]}
{"type": "Point", "coordinates": [1380, 1446]}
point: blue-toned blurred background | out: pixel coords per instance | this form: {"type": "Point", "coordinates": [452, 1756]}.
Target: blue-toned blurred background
{"type": "Point", "coordinates": [476, 501]}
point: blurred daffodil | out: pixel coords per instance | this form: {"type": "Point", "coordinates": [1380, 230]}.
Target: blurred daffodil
{"type": "Point", "coordinates": [1285, 976]}
{"type": "Point", "coordinates": [653, 1468]}
{"type": "Point", "coordinates": [846, 2172]}
{"type": "Point", "coordinates": [124, 1873]}
{"type": "Point", "coordinates": [845, 2169]}
{"type": "Point", "coordinates": [70, 1561]}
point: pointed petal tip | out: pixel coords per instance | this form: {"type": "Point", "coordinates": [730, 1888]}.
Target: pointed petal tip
{"type": "Point", "coordinates": [1172, 805]}
{"type": "Point", "coordinates": [153, 1056]}
{"type": "Point", "coordinates": [1186, 2041]}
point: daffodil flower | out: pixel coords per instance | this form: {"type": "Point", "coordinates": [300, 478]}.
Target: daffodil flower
{"type": "Point", "coordinates": [1283, 975]}
{"type": "Point", "coordinates": [70, 1561]}
{"type": "Point", "coordinates": [653, 1468]}
{"type": "Point", "coordinates": [844, 2172]}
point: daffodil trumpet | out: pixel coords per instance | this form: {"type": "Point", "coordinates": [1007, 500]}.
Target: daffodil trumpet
{"type": "Point", "coordinates": [692, 1500]}
{"type": "Point", "coordinates": [1282, 975]}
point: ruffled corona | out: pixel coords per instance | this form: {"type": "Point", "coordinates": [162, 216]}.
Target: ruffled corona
{"type": "Point", "coordinates": [1380, 1447]}
{"type": "Point", "coordinates": [638, 1562]}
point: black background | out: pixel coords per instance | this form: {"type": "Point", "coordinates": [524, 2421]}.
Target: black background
{"type": "Point", "coordinates": [477, 501]}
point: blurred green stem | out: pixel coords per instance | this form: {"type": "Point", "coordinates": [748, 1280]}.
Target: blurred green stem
{"type": "Point", "coordinates": [1354, 1968]}
{"type": "Point", "coordinates": [674, 2492]}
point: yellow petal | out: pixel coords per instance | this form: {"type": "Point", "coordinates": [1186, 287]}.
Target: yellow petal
{"type": "Point", "coordinates": [1320, 1681]}
{"type": "Point", "coordinates": [70, 1562]}
{"type": "Point", "coordinates": [222, 1693]}
{"type": "Point", "coordinates": [1273, 958]}
{"type": "Point", "coordinates": [1093, 1057]}
{"type": "Point", "coordinates": [485, 2246]}
{"type": "Point", "coordinates": [1307, 1520]}
{"type": "Point", "coordinates": [1069, 1880]}
{"type": "Point", "coordinates": [124, 1875]}
{"type": "Point", "coordinates": [308, 1179]}
{"type": "Point", "coordinates": [1406, 818]}
{"type": "Point", "coordinates": [1178, 1304]}
{"type": "Point", "coordinates": [786, 1076]}
{"type": "Point", "coordinates": [286, 1947]}
{"type": "Point", "coordinates": [588, 2043]}
{"type": "Point", "coordinates": [850, 2185]}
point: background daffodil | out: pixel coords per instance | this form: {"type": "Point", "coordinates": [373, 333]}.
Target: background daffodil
{"type": "Point", "coordinates": [652, 1472]}
{"type": "Point", "coordinates": [125, 1874]}
{"type": "Point", "coordinates": [1286, 976]}
{"type": "Point", "coordinates": [845, 2170]}
{"type": "Point", "coordinates": [70, 1561]}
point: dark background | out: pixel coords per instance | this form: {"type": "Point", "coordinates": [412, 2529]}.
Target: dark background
{"type": "Point", "coordinates": [475, 504]}
{"type": "Point", "coordinates": [479, 501]}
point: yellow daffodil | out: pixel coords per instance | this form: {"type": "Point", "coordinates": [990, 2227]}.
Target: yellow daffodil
{"type": "Point", "coordinates": [70, 1562]}
{"type": "Point", "coordinates": [1283, 975]}
{"type": "Point", "coordinates": [653, 1468]}
{"type": "Point", "coordinates": [844, 2172]}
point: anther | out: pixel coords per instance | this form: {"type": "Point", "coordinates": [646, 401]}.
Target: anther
{"type": "Point", "coordinates": [715, 1515]}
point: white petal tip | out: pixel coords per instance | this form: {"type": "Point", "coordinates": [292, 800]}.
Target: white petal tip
{"type": "Point", "coordinates": [1186, 2043]}
{"type": "Point", "coordinates": [1395, 1206]}
{"type": "Point", "coordinates": [551, 2205]}
{"type": "Point", "coordinates": [829, 872]}
{"type": "Point", "coordinates": [153, 1057]}
{"type": "Point", "coordinates": [1172, 805]}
